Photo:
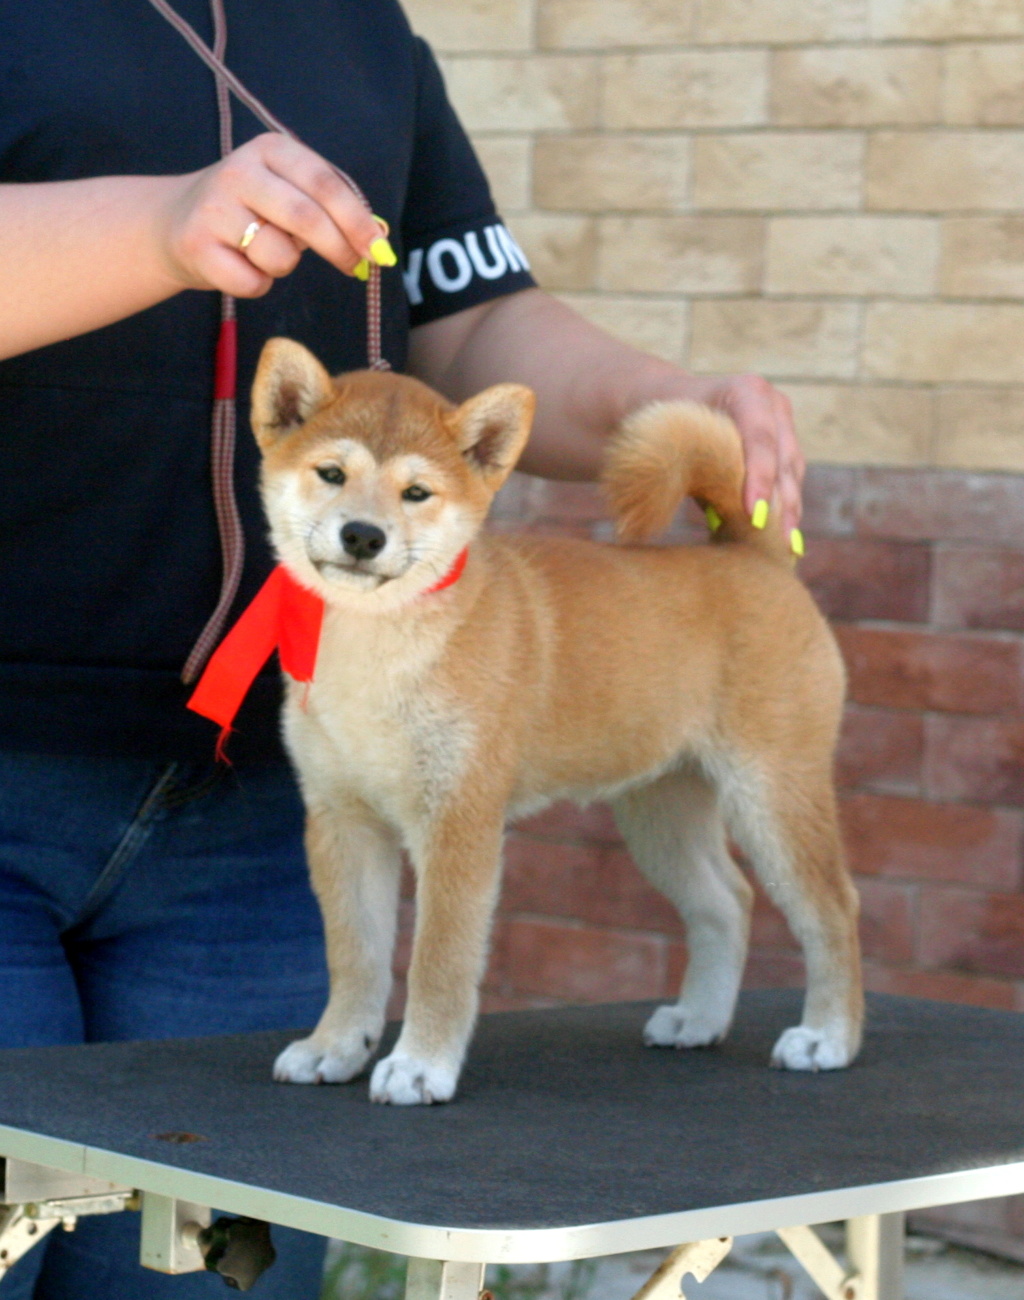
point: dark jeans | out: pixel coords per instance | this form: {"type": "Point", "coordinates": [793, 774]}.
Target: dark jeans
{"type": "Point", "coordinates": [144, 900]}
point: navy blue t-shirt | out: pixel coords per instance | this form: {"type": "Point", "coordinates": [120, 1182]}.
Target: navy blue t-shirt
{"type": "Point", "coordinates": [109, 554]}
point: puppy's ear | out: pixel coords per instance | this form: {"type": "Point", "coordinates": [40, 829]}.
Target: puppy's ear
{"type": "Point", "coordinates": [290, 386]}
{"type": "Point", "coordinates": [491, 430]}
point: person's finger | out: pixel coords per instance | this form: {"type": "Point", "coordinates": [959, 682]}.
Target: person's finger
{"type": "Point", "coordinates": [231, 272]}
{"type": "Point", "coordinates": [320, 185]}
{"type": "Point", "coordinates": [751, 407]}
{"type": "Point", "coordinates": [791, 471]}
{"type": "Point", "coordinates": [277, 202]}
{"type": "Point", "coordinates": [237, 252]}
{"type": "Point", "coordinates": [283, 185]}
{"type": "Point", "coordinates": [272, 251]}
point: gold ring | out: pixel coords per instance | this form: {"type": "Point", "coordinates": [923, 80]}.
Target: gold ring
{"type": "Point", "coordinates": [249, 234]}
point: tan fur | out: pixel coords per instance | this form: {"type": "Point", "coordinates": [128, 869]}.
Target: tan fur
{"type": "Point", "coordinates": [670, 450]}
{"type": "Point", "coordinates": [696, 688]}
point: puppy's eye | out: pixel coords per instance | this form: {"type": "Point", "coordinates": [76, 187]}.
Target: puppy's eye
{"type": "Point", "coordinates": [331, 474]}
{"type": "Point", "coordinates": [416, 493]}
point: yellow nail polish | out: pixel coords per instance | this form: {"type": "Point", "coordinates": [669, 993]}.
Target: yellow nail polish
{"type": "Point", "coordinates": [361, 270]}
{"type": "Point", "coordinates": [382, 223]}
{"type": "Point", "coordinates": [760, 516]}
{"type": "Point", "coordinates": [796, 541]}
{"type": "Point", "coordinates": [382, 253]}
{"type": "Point", "coordinates": [713, 517]}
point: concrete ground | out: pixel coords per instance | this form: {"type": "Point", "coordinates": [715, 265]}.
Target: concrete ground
{"type": "Point", "coordinates": [759, 1268]}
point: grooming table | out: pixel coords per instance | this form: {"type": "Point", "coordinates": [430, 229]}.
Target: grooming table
{"type": "Point", "coordinates": [567, 1139]}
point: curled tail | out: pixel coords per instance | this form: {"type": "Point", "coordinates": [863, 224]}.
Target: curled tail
{"type": "Point", "coordinates": [668, 451]}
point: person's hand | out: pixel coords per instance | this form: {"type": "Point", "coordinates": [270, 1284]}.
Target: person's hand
{"type": "Point", "coordinates": [775, 464]}
{"type": "Point", "coordinates": [245, 221]}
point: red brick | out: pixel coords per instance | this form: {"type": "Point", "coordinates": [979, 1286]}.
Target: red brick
{"type": "Point", "coordinates": [568, 502]}
{"type": "Point", "coordinates": [978, 587]}
{"type": "Point", "coordinates": [887, 919]}
{"type": "Point", "coordinates": [942, 986]}
{"type": "Point", "coordinates": [582, 965]}
{"type": "Point", "coordinates": [941, 505]}
{"type": "Point", "coordinates": [396, 1002]}
{"type": "Point", "coordinates": [688, 528]}
{"type": "Point", "coordinates": [676, 957]}
{"type": "Point", "coordinates": [925, 670]}
{"type": "Point", "coordinates": [861, 577]}
{"type": "Point", "coordinates": [594, 883]}
{"type": "Point", "coordinates": [496, 975]}
{"type": "Point", "coordinates": [517, 499]}
{"type": "Point", "coordinates": [765, 969]}
{"type": "Point", "coordinates": [571, 824]}
{"type": "Point", "coordinates": [774, 970]}
{"type": "Point", "coordinates": [916, 840]}
{"type": "Point", "coordinates": [768, 928]}
{"type": "Point", "coordinates": [403, 940]}
{"type": "Point", "coordinates": [972, 932]}
{"type": "Point", "coordinates": [976, 758]}
{"type": "Point", "coordinates": [881, 750]}
{"type": "Point", "coordinates": [490, 1001]}
{"type": "Point", "coordinates": [548, 528]}
{"type": "Point", "coordinates": [830, 493]}
{"type": "Point", "coordinates": [995, 1226]}
{"type": "Point", "coordinates": [886, 923]}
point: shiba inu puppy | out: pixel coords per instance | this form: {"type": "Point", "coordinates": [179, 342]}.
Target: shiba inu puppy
{"type": "Point", "coordinates": [697, 689]}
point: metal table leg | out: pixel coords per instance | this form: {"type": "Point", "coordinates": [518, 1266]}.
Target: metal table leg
{"type": "Point", "coordinates": [874, 1244]}
{"type": "Point", "coordinates": [435, 1279]}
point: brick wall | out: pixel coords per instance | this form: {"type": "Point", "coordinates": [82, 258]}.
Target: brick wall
{"type": "Point", "coordinates": [829, 192]}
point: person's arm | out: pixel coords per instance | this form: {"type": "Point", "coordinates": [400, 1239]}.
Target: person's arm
{"type": "Point", "coordinates": [81, 254]}
{"type": "Point", "coordinates": [586, 382]}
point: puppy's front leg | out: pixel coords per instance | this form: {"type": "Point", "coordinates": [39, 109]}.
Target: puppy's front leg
{"type": "Point", "coordinates": [458, 871]}
{"type": "Point", "coordinates": [354, 863]}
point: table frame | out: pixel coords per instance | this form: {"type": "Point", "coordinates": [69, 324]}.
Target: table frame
{"type": "Point", "coordinates": [38, 1197]}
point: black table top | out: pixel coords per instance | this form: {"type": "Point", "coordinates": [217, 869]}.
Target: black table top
{"type": "Point", "coordinates": [563, 1118]}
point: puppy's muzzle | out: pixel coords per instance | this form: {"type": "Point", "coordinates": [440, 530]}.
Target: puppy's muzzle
{"type": "Point", "coordinates": [363, 541]}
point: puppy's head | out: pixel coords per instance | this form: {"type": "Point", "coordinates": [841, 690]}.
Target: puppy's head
{"type": "Point", "coordinates": [373, 483]}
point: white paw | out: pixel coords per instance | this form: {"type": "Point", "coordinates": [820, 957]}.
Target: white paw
{"type": "Point", "coordinates": [407, 1081]}
{"type": "Point", "coordinates": [316, 1060]}
{"type": "Point", "coordinates": [801, 1048]}
{"type": "Point", "coordinates": [678, 1026]}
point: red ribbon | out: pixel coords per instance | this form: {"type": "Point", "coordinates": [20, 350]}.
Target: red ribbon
{"type": "Point", "coordinates": [453, 574]}
{"type": "Point", "coordinates": [283, 616]}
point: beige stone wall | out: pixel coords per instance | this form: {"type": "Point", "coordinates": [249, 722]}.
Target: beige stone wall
{"type": "Point", "coordinates": [829, 192]}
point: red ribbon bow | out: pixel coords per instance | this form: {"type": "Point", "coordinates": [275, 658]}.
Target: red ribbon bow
{"type": "Point", "coordinates": [283, 616]}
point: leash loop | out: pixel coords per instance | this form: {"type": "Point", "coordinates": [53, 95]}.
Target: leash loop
{"type": "Point", "coordinates": [224, 75]}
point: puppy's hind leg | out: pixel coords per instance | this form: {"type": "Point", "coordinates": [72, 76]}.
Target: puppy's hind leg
{"type": "Point", "coordinates": [355, 865]}
{"type": "Point", "coordinates": [674, 830]}
{"type": "Point", "coordinates": [788, 827]}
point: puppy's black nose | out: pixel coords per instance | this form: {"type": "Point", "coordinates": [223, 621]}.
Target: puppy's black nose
{"type": "Point", "coordinates": [362, 541]}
